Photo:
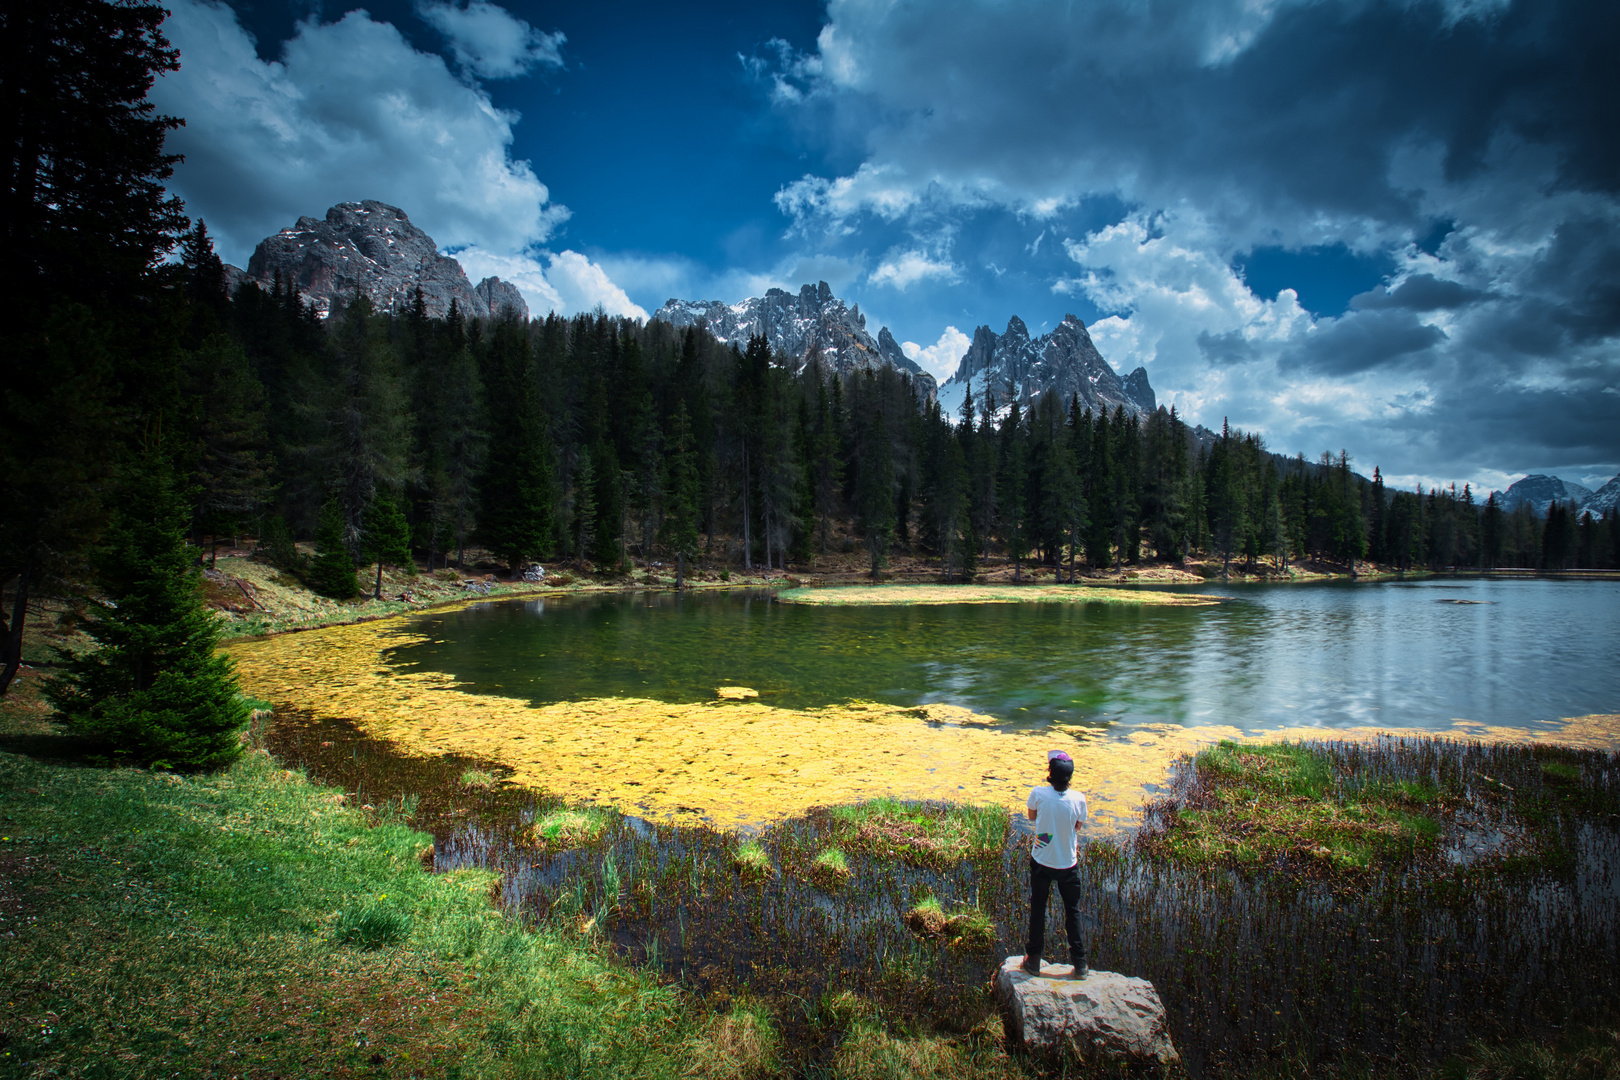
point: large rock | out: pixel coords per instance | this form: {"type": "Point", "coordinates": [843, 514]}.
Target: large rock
{"type": "Point", "coordinates": [1102, 1016]}
{"type": "Point", "coordinates": [810, 325]}
{"type": "Point", "coordinates": [372, 247]}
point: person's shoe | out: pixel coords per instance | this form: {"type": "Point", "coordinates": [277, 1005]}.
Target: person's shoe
{"type": "Point", "coordinates": [1031, 965]}
{"type": "Point", "coordinates": [1080, 970]}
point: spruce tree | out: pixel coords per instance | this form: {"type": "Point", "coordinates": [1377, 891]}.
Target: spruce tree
{"type": "Point", "coordinates": [386, 537]}
{"type": "Point", "coordinates": [153, 690]}
{"type": "Point", "coordinates": [332, 572]}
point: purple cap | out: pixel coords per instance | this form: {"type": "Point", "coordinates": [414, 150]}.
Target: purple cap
{"type": "Point", "coordinates": [1058, 755]}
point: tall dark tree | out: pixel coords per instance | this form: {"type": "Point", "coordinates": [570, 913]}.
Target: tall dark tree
{"type": "Point", "coordinates": [332, 571]}
{"type": "Point", "coordinates": [84, 222]}
{"type": "Point", "coordinates": [516, 493]}
{"type": "Point", "coordinates": [386, 537]}
{"type": "Point", "coordinates": [153, 690]}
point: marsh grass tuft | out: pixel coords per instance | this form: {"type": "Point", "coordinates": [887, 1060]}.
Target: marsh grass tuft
{"type": "Point", "coordinates": [752, 863]}
{"type": "Point", "coordinates": [922, 833]}
{"type": "Point", "coordinates": [869, 1052]}
{"type": "Point", "coordinates": [830, 869]}
{"type": "Point", "coordinates": [740, 1044]}
{"type": "Point", "coordinates": [568, 827]}
{"type": "Point", "coordinates": [478, 780]}
{"type": "Point", "coordinates": [1277, 805]}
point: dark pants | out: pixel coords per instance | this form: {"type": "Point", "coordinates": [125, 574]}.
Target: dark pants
{"type": "Point", "coordinates": [1041, 879]}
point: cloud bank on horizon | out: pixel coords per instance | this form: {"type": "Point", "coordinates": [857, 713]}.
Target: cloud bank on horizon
{"type": "Point", "coordinates": [1391, 226]}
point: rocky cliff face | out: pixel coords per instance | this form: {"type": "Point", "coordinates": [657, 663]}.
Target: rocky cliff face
{"type": "Point", "coordinates": [1541, 491]}
{"type": "Point", "coordinates": [813, 324]}
{"type": "Point", "coordinates": [373, 248]}
{"type": "Point", "coordinates": [1014, 366]}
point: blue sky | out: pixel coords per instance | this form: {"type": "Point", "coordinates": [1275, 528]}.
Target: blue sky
{"type": "Point", "coordinates": [1392, 228]}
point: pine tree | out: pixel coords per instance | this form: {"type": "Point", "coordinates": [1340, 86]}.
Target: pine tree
{"type": "Point", "coordinates": [332, 572]}
{"type": "Point", "coordinates": [153, 690]}
{"type": "Point", "coordinates": [386, 537]}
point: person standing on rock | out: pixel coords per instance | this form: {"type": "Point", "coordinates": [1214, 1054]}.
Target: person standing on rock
{"type": "Point", "coordinates": [1058, 814]}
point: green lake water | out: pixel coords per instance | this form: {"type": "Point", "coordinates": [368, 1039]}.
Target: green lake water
{"type": "Point", "coordinates": [1412, 655]}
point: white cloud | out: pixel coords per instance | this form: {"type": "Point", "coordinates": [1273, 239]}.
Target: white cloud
{"type": "Point", "coordinates": [942, 357]}
{"type": "Point", "coordinates": [567, 282]}
{"type": "Point", "coordinates": [583, 285]}
{"type": "Point", "coordinates": [349, 111]}
{"type": "Point", "coordinates": [491, 42]}
{"type": "Point", "coordinates": [903, 268]}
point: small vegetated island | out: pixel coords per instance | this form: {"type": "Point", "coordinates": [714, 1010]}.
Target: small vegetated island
{"type": "Point", "coordinates": [886, 594]}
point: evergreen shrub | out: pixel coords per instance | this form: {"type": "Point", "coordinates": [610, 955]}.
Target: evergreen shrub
{"type": "Point", "coordinates": [332, 573]}
{"type": "Point", "coordinates": [153, 689]}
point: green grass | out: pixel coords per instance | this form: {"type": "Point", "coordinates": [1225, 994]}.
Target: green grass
{"type": "Point", "coordinates": [920, 832]}
{"type": "Point", "coordinates": [830, 869]}
{"type": "Point", "coordinates": [250, 923]}
{"type": "Point", "coordinates": [752, 863]}
{"type": "Point", "coordinates": [1279, 802]}
{"type": "Point", "coordinates": [569, 827]}
{"type": "Point", "coordinates": [478, 780]}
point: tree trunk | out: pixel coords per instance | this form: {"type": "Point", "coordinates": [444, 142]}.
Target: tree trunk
{"type": "Point", "coordinates": [680, 570]}
{"type": "Point", "coordinates": [11, 636]}
{"type": "Point", "coordinates": [376, 593]}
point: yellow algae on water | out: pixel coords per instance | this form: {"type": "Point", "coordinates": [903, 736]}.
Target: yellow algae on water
{"type": "Point", "coordinates": [736, 693]}
{"type": "Point", "coordinates": [866, 595]}
{"type": "Point", "coordinates": [744, 763]}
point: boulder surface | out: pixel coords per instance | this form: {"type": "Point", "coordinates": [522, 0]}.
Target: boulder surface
{"type": "Point", "coordinates": [1103, 1016]}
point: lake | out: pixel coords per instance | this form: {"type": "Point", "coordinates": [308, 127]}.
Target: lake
{"type": "Point", "coordinates": [1409, 655]}
{"type": "Point", "coordinates": [612, 698]}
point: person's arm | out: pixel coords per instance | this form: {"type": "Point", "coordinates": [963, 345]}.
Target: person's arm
{"type": "Point", "coordinates": [1032, 812]}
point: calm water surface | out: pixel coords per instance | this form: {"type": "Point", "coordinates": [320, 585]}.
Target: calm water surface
{"type": "Point", "coordinates": [1393, 654]}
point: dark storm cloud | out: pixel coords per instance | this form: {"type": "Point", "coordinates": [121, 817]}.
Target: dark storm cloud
{"type": "Point", "coordinates": [1295, 126]}
{"type": "Point", "coordinates": [1420, 292]}
{"type": "Point", "coordinates": [1362, 341]}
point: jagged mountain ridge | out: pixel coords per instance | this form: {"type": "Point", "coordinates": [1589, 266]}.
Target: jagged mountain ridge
{"type": "Point", "coordinates": [1014, 366]}
{"type": "Point", "coordinates": [812, 324]}
{"type": "Point", "coordinates": [372, 247]}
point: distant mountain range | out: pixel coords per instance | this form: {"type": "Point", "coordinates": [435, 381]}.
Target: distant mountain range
{"type": "Point", "coordinates": [810, 325]}
{"type": "Point", "coordinates": [1540, 491]}
{"type": "Point", "coordinates": [373, 248]}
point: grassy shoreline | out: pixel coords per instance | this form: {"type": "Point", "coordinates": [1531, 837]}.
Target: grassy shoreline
{"type": "Point", "coordinates": [256, 923]}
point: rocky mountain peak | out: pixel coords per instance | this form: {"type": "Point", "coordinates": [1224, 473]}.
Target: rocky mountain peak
{"type": "Point", "coordinates": [810, 325]}
{"type": "Point", "coordinates": [373, 248]}
{"type": "Point", "coordinates": [1012, 366]}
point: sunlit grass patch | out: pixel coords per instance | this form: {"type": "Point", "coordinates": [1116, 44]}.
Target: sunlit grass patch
{"type": "Point", "coordinates": [860, 595]}
{"type": "Point", "coordinates": [921, 832]}
{"type": "Point", "coordinates": [1265, 804]}
{"type": "Point", "coordinates": [478, 780]}
{"type": "Point", "coordinates": [742, 1043]}
{"type": "Point", "coordinates": [830, 869]}
{"type": "Point", "coordinates": [868, 1052]}
{"type": "Point", "coordinates": [752, 863]}
{"type": "Point", "coordinates": [567, 827]}
{"type": "Point", "coordinates": [969, 927]}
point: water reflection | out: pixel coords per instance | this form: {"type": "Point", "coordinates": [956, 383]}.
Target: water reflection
{"type": "Point", "coordinates": [1328, 655]}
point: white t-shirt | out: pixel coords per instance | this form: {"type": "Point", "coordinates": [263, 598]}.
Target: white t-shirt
{"type": "Point", "coordinates": [1057, 814]}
